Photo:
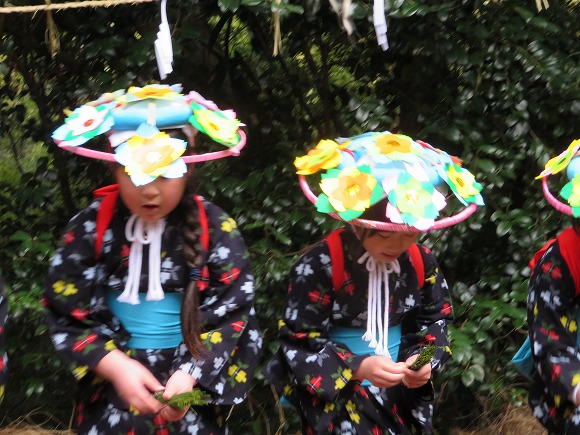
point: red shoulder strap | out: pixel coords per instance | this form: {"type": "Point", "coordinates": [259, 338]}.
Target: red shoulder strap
{"type": "Point", "coordinates": [203, 222]}
{"type": "Point", "coordinates": [105, 213]}
{"type": "Point", "coordinates": [334, 243]}
{"type": "Point", "coordinates": [569, 241]}
{"type": "Point", "coordinates": [417, 262]}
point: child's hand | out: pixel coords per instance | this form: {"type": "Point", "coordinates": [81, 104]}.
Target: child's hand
{"type": "Point", "coordinates": [179, 382]}
{"type": "Point", "coordinates": [381, 371]}
{"type": "Point", "coordinates": [132, 381]}
{"type": "Point", "coordinates": [416, 378]}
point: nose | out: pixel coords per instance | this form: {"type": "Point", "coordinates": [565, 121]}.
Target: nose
{"type": "Point", "coordinates": [150, 190]}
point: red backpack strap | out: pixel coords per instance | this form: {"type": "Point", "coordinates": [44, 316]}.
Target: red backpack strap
{"type": "Point", "coordinates": [417, 262]}
{"type": "Point", "coordinates": [203, 222]}
{"type": "Point", "coordinates": [105, 213]}
{"type": "Point", "coordinates": [334, 243]}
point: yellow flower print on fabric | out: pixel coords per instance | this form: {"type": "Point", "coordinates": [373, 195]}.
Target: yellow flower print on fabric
{"type": "Point", "coordinates": [313, 334]}
{"type": "Point", "coordinates": [557, 400]}
{"type": "Point", "coordinates": [329, 407]}
{"type": "Point", "coordinates": [342, 379]}
{"type": "Point", "coordinates": [214, 337]}
{"type": "Point", "coordinates": [351, 409]}
{"type": "Point", "coordinates": [238, 374]}
{"type": "Point", "coordinates": [80, 372]}
{"type": "Point", "coordinates": [569, 323]}
{"type": "Point", "coordinates": [110, 345]}
{"type": "Point", "coordinates": [229, 225]}
{"type": "Point", "coordinates": [325, 155]}
{"type": "Point", "coordinates": [576, 379]}
{"type": "Point", "coordinates": [2, 388]}
{"type": "Point", "coordinates": [66, 289]}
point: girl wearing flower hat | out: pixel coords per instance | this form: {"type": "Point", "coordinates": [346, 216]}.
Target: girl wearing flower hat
{"type": "Point", "coordinates": [151, 290]}
{"type": "Point", "coordinates": [363, 303]}
{"type": "Point", "coordinates": [553, 302]}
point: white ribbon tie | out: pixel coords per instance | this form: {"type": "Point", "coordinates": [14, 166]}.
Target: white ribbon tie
{"type": "Point", "coordinates": [139, 233]}
{"type": "Point", "coordinates": [377, 319]}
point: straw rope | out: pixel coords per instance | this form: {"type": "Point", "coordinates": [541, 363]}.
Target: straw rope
{"type": "Point", "coordinates": [70, 5]}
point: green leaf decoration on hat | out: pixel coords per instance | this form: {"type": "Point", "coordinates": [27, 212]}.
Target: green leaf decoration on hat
{"type": "Point", "coordinates": [221, 126]}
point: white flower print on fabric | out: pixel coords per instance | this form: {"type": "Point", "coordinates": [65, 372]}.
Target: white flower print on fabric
{"type": "Point", "coordinates": [248, 287]}
{"type": "Point", "coordinates": [219, 387]}
{"type": "Point", "coordinates": [218, 362]}
{"type": "Point", "coordinates": [57, 260]}
{"type": "Point", "coordinates": [90, 226]}
{"type": "Point", "coordinates": [304, 269]}
{"type": "Point", "coordinates": [551, 299]}
{"type": "Point", "coordinates": [291, 354]}
{"type": "Point", "coordinates": [89, 273]}
{"type": "Point", "coordinates": [58, 339]}
{"type": "Point", "coordinates": [168, 270]}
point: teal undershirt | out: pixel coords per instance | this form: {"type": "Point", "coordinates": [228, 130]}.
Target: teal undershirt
{"type": "Point", "coordinates": [152, 324]}
{"type": "Point", "coordinates": [351, 337]}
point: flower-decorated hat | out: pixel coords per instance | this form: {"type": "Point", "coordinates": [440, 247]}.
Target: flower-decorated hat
{"type": "Point", "coordinates": [569, 159]}
{"type": "Point", "coordinates": [132, 121]}
{"type": "Point", "coordinates": [412, 175]}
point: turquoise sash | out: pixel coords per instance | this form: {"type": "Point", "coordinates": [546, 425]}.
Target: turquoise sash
{"type": "Point", "coordinates": [351, 337]}
{"type": "Point", "coordinates": [152, 324]}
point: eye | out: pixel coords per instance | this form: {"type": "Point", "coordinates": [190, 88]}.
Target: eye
{"type": "Point", "coordinates": [384, 235]}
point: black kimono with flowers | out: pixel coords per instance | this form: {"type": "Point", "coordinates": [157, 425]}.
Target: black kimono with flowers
{"type": "Point", "coordinates": [552, 318]}
{"type": "Point", "coordinates": [84, 329]}
{"type": "Point", "coordinates": [315, 373]}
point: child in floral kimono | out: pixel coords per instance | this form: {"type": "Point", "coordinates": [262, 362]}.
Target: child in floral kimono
{"type": "Point", "coordinates": [364, 302]}
{"type": "Point", "coordinates": [151, 289]}
{"type": "Point", "coordinates": [553, 303]}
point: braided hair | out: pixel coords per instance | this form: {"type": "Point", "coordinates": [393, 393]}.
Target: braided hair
{"type": "Point", "coordinates": [194, 254]}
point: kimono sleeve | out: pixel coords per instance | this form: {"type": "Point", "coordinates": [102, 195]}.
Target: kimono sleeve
{"type": "Point", "coordinates": [231, 336]}
{"type": "Point", "coordinates": [77, 335]}
{"type": "Point", "coordinates": [553, 325]}
{"type": "Point", "coordinates": [318, 365]}
{"type": "Point", "coordinates": [435, 314]}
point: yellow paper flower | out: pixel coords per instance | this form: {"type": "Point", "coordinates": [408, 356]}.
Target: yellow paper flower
{"type": "Point", "coordinates": [462, 181]}
{"type": "Point", "coordinates": [325, 155]}
{"type": "Point", "coordinates": [389, 143]}
{"type": "Point", "coordinates": [152, 156]}
{"type": "Point", "coordinates": [351, 190]}
{"type": "Point", "coordinates": [216, 125]}
{"type": "Point", "coordinates": [562, 160]}
{"type": "Point", "coordinates": [152, 91]}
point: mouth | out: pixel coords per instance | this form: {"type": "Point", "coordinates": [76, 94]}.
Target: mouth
{"type": "Point", "coordinates": [150, 208]}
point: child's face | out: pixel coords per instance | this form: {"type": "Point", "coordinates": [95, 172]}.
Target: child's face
{"type": "Point", "coordinates": [154, 200]}
{"type": "Point", "coordinates": [387, 246]}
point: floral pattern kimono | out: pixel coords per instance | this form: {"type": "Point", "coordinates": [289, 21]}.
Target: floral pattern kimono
{"type": "Point", "coordinates": [552, 305]}
{"type": "Point", "coordinates": [315, 373]}
{"type": "Point", "coordinates": [84, 329]}
{"type": "Point", "coordinates": [3, 357]}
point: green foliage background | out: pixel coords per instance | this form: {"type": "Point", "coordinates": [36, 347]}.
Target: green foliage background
{"type": "Point", "coordinates": [496, 83]}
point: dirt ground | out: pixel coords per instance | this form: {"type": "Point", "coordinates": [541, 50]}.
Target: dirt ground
{"type": "Point", "coordinates": [516, 421]}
